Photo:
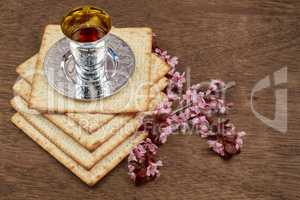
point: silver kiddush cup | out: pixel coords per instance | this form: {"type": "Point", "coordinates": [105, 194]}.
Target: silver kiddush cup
{"type": "Point", "coordinates": [87, 29]}
{"type": "Point", "coordinates": [90, 63]}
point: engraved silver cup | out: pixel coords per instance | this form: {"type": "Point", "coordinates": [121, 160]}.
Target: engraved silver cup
{"type": "Point", "coordinates": [90, 63]}
{"type": "Point", "coordinates": [87, 29]}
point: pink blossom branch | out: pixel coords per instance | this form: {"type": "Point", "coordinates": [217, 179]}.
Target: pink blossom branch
{"type": "Point", "coordinates": [199, 107]}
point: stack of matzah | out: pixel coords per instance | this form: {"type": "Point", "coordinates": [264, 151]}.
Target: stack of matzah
{"type": "Point", "coordinates": [89, 138]}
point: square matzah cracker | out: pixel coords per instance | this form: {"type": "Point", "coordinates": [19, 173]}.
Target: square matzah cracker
{"type": "Point", "coordinates": [70, 146]}
{"type": "Point", "coordinates": [134, 97]}
{"type": "Point", "coordinates": [90, 177]}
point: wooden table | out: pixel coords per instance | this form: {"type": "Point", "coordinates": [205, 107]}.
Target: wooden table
{"type": "Point", "coordinates": [234, 40]}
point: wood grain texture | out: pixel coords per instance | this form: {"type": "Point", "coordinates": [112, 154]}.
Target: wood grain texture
{"type": "Point", "coordinates": [234, 40]}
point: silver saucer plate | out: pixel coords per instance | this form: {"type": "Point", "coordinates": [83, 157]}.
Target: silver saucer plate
{"type": "Point", "coordinates": [59, 68]}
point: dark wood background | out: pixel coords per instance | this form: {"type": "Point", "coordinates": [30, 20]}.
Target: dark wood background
{"type": "Point", "coordinates": [234, 40]}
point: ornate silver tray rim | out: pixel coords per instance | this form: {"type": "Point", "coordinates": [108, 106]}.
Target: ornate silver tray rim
{"type": "Point", "coordinates": [120, 67]}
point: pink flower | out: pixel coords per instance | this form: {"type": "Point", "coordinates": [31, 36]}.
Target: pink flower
{"type": "Point", "coordinates": [175, 86]}
{"type": "Point", "coordinates": [131, 168]}
{"type": "Point", "coordinates": [204, 128]}
{"type": "Point", "coordinates": [157, 51]}
{"type": "Point", "coordinates": [165, 133]}
{"type": "Point", "coordinates": [139, 151]}
{"type": "Point", "coordinates": [241, 134]}
{"type": "Point", "coordinates": [164, 108]}
{"type": "Point", "coordinates": [132, 157]}
{"type": "Point", "coordinates": [195, 99]}
{"type": "Point", "coordinates": [216, 85]}
{"type": "Point", "coordinates": [132, 176]}
{"type": "Point", "coordinates": [217, 147]}
{"type": "Point", "coordinates": [152, 169]}
{"type": "Point", "coordinates": [131, 173]}
{"type": "Point", "coordinates": [173, 61]}
{"type": "Point", "coordinates": [179, 122]}
{"type": "Point", "coordinates": [188, 96]}
{"type": "Point", "coordinates": [239, 140]}
{"type": "Point", "coordinates": [150, 146]}
{"type": "Point", "coordinates": [199, 120]}
{"type": "Point", "coordinates": [184, 116]}
{"type": "Point", "coordinates": [178, 79]}
{"type": "Point", "coordinates": [172, 96]}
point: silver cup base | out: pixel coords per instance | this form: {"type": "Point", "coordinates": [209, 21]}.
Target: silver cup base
{"type": "Point", "coordinates": [59, 68]}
